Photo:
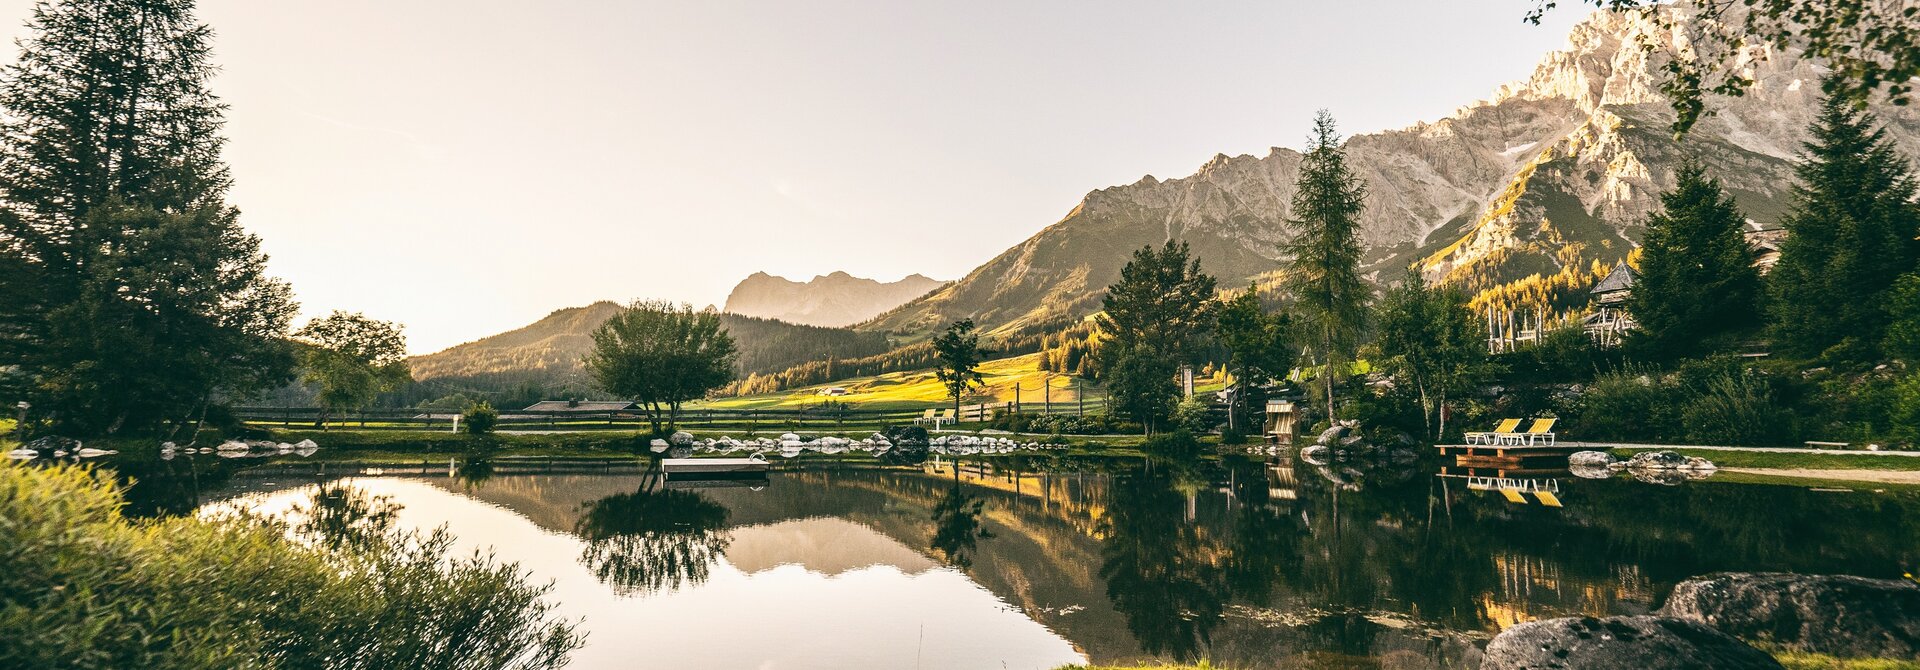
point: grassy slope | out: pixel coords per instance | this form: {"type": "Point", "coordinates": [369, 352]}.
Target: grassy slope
{"type": "Point", "coordinates": [921, 389]}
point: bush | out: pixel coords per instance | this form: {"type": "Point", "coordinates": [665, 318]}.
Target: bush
{"type": "Point", "coordinates": [340, 590]}
{"type": "Point", "coordinates": [480, 418]}
{"type": "Point", "coordinates": [1735, 407]}
{"type": "Point", "coordinates": [1631, 403]}
{"type": "Point", "coordinates": [1191, 415]}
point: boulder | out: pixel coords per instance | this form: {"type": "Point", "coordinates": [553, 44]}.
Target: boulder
{"type": "Point", "coordinates": [1698, 464]}
{"type": "Point", "coordinates": [305, 444]}
{"type": "Point", "coordinates": [1590, 471]}
{"type": "Point", "coordinates": [1316, 454]}
{"type": "Point", "coordinates": [1656, 460]}
{"type": "Point", "coordinates": [1635, 642]}
{"type": "Point", "coordinates": [680, 438]}
{"type": "Point", "coordinates": [1830, 614]}
{"type": "Point", "coordinates": [54, 443]}
{"type": "Point", "coordinates": [1660, 477]}
{"type": "Point", "coordinates": [1590, 458]}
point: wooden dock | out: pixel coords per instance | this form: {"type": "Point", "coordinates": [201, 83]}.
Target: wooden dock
{"type": "Point", "coordinates": [712, 466]}
{"type": "Point", "coordinates": [1509, 456]}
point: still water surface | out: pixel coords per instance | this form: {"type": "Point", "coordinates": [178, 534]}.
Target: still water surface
{"type": "Point", "coordinates": [1031, 563]}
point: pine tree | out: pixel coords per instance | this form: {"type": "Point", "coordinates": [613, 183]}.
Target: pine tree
{"type": "Point", "coordinates": [1850, 235]}
{"type": "Point", "coordinates": [1156, 315]}
{"type": "Point", "coordinates": [1697, 282]}
{"type": "Point", "coordinates": [1325, 251]}
{"type": "Point", "coordinates": [133, 296]}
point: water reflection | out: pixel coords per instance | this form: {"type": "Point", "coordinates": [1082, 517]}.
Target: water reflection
{"type": "Point", "coordinates": [957, 529]}
{"type": "Point", "coordinates": [652, 538]}
{"type": "Point", "coordinates": [1253, 562]}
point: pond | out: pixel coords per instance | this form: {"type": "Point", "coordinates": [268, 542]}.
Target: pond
{"type": "Point", "coordinates": [1258, 561]}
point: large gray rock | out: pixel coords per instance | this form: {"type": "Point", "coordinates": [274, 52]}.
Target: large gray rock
{"type": "Point", "coordinates": [1590, 458]}
{"type": "Point", "coordinates": [1625, 643]}
{"type": "Point", "coordinates": [1657, 460]}
{"type": "Point", "coordinates": [1831, 614]}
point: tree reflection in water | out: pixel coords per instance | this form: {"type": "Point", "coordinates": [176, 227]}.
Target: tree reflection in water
{"type": "Point", "coordinates": [956, 526]}
{"type": "Point", "coordinates": [653, 538]}
{"type": "Point", "coordinates": [1161, 571]}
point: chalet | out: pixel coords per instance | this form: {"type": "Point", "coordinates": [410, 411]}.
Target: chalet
{"type": "Point", "coordinates": [1610, 320]}
{"type": "Point", "coordinates": [834, 390]}
{"type": "Point", "coordinates": [581, 406]}
{"type": "Point", "coordinates": [1765, 245]}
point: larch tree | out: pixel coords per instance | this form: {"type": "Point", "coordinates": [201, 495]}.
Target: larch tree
{"type": "Point", "coordinates": [133, 298]}
{"type": "Point", "coordinates": [1852, 232]}
{"type": "Point", "coordinates": [1324, 270]}
{"type": "Point", "coordinates": [1697, 284]}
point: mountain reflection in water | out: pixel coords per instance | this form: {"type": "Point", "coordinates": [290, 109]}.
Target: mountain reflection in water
{"type": "Point", "coordinates": [1031, 562]}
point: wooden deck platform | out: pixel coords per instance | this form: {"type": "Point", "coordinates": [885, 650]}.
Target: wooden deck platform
{"type": "Point", "coordinates": [1509, 456]}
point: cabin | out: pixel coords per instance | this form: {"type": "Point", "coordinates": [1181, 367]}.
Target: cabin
{"type": "Point", "coordinates": [1765, 245]}
{"type": "Point", "coordinates": [1279, 427]}
{"type": "Point", "coordinates": [1609, 322]}
{"type": "Point", "coordinates": [581, 406]}
{"type": "Point", "coordinates": [834, 390]}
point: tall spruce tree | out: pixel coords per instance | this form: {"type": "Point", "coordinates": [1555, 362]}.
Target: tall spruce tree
{"type": "Point", "coordinates": [1850, 235]}
{"type": "Point", "coordinates": [134, 297]}
{"type": "Point", "coordinates": [1325, 252]}
{"type": "Point", "coordinates": [1697, 283]}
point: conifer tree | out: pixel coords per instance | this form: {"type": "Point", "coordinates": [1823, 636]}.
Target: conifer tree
{"type": "Point", "coordinates": [1156, 315]}
{"type": "Point", "coordinates": [134, 297]}
{"type": "Point", "coordinates": [1851, 233]}
{"type": "Point", "coordinates": [1697, 282]}
{"type": "Point", "coordinates": [1325, 251]}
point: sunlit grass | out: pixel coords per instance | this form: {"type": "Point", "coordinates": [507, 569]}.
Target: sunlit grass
{"type": "Point", "coordinates": [1796, 660]}
{"type": "Point", "coordinates": [1775, 459]}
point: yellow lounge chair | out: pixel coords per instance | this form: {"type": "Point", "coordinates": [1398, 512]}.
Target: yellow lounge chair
{"type": "Point", "coordinates": [1506, 427]}
{"type": "Point", "coordinates": [1547, 498]}
{"type": "Point", "coordinates": [1513, 496]}
{"type": "Point", "coordinates": [1540, 432]}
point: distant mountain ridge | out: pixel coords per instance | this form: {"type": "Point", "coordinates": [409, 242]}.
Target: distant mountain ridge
{"type": "Point", "coordinates": [1519, 198]}
{"type": "Point", "coordinates": [830, 300]}
{"type": "Point", "coordinates": [550, 351]}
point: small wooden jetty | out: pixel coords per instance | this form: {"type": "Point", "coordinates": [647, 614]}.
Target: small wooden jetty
{"type": "Point", "coordinates": [696, 467]}
{"type": "Point", "coordinates": [1509, 456]}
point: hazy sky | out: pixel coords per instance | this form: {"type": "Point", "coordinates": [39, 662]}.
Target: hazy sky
{"type": "Point", "coordinates": [467, 166]}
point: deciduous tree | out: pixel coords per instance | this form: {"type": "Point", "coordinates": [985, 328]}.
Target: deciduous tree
{"type": "Point", "coordinates": [958, 352]}
{"type": "Point", "coordinates": [660, 356]}
{"type": "Point", "coordinates": [352, 359]}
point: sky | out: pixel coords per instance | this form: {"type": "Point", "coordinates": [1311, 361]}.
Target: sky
{"type": "Point", "coordinates": [465, 167]}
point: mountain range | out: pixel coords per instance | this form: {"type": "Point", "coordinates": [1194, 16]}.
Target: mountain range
{"type": "Point", "coordinates": [830, 300]}
{"type": "Point", "coordinates": [1523, 198]}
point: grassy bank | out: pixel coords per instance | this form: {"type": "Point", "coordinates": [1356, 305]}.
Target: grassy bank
{"type": "Point", "coordinates": [1788, 460]}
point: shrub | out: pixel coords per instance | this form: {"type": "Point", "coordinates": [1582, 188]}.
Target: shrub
{"type": "Point", "coordinates": [99, 590]}
{"type": "Point", "coordinates": [1191, 415]}
{"type": "Point", "coordinates": [480, 418]}
{"type": "Point", "coordinates": [1630, 403]}
{"type": "Point", "coordinates": [1735, 408]}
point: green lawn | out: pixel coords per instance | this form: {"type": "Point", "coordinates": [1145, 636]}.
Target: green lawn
{"type": "Point", "coordinates": [1765, 459]}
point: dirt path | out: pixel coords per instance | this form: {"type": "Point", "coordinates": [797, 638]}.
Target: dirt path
{"type": "Point", "coordinates": [1880, 476]}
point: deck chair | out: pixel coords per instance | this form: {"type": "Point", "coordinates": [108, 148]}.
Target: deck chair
{"type": "Point", "coordinates": [1513, 496]}
{"type": "Point", "coordinates": [1541, 432]}
{"type": "Point", "coordinates": [927, 416]}
{"type": "Point", "coordinates": [1547, 498]}
{"type": "Point", "coordinates": [1506, 427]}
